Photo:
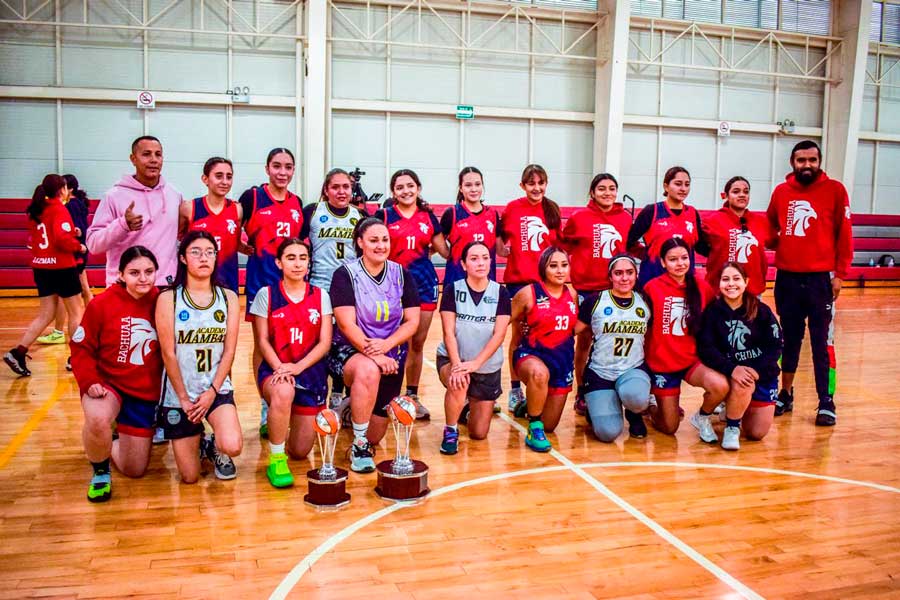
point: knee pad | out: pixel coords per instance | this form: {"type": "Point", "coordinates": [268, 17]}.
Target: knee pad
{"type": "Point", "coordinates": [605, 412]}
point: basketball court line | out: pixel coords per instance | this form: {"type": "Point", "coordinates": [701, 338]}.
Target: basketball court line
{"type": "Point", "coordinates": [31, 424]}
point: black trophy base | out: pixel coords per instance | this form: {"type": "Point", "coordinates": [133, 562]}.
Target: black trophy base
{"type": "Point", "coordinates": [402, 488]}
{"type": "Point", "coordinates": [327, 494]}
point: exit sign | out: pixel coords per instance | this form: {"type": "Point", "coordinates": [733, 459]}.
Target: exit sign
{"type": "Point", "coordinates": [465, 111]}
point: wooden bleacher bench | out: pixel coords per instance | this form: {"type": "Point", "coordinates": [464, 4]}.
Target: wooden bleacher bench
{"type": "Point", "coordinates": [874, 237]}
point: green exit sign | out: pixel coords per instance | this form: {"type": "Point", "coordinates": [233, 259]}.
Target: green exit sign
{"type": "Point", "coordinates": [464, 111]}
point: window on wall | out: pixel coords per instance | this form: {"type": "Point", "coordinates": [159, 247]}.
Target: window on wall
{"type": "Point", "coordinates": [803, 16]}
{"type": "Point", "coordinates": [885, 23]}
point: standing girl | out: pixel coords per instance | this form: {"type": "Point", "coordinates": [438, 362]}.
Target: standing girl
{"type": "Point", "coordinates": [616, 375]}
{"type": "Point", "coordinates": [198, 323]}
{"type": "Point", "coordinates": [735, 234]}
{"type": "Point", "coordinates": [741, 339]}
{"type": "Point", "coordinates": [293, 333]}
{"type": "Point", "coordinates": [415, 232]}
{"type": "Point", "coordinates": [529, 225]}
{"type": "Point", "coordinates": [677, 300]}
{"type": "Point", "coordinates": [53, 246]}
{"type": "Point", "coordinates": [475, 312]}
{"type": "Point", "coordinates": [376, 309]}
{"type": "Point", "coordinates": [217, 215]}
{"type": "Point", "coordinates": [544, 358]}
{"type": "Point", "coordinates": [659, 222]}
{"type": "Point", "coordinates": [118, 367]}
{"type": "Point", "coordinates": [593, 235]}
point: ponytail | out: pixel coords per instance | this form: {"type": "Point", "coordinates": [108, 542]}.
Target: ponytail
{"type": "Point", "coordinates": [694, 303]}
{"type": "Point", "coordinates": [48, 188]}
{"type": "Point", "coordinates": [75, 191]}
{"type": "Point", "coordinates": [552, 215]}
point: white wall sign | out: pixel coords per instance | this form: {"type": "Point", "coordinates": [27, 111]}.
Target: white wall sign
{"type": "Point", "coordinates": [146, 100]}
{"type": "Point", "coordinates": [724, 129]}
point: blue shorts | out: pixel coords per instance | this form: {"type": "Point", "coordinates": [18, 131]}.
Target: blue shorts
{"type": "Point", "coordinates": [669, 384]}
{"type": "Point", "coordinates": [560, 362]}
{"type": "Point", "coordinates": [136, 417]}
{"type": "Point", "coordinates": [310, 387]}
{"type": "Point", "coordinates": [765, 394]}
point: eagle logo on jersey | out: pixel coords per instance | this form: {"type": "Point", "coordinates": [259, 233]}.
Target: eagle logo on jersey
{"type": "Point", "coordinates": [137, 339]}
{"type": "Point", "coordinates": [776, 332]}
{"type": "Point", "coordinates": [232, 226]}
{"type": "Point", "coordinates": [660, 381]}
{"type": "Point", "coordinates": [737, 334]}
{"type": "Point", "coordinates": [314, 316]}
{"type": "Point", "coordinates": [295, 215]}
{"type": "Point", "coordinates": [423, 228]}
{"type": "Point", "coordinates": [608, 236]}
{"type": "Point", "coordinates": [490, 224]}
{"type": "Point", "coordinates": [799, 214]}
{"type": "Point", "coordinates": [690, 227]}
{"type": "Point", "coordinates": [535, 231]}
{"type": "Point", "coordinates": [573, 308]}
{"type": "Point", "coordinates": [743, 246]}
{"type": "Point", "coordinates": [677, 316]}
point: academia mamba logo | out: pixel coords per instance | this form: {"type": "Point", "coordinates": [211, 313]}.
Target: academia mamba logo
{"type": "Point", "coordinates": [533, 233]}
{"type": "Point", "coordinates": [605, 238]}
{"type": "Point", "coordinates": [737, 334]}
{"type": "Point", "coordinates": [799, 215]}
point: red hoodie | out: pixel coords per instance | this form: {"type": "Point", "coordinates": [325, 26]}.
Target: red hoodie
{"type": "Point", "coordinates": [592, 237]}
{"type": "Point", "coordinates": [522, 225]}
{"type": "Point", "coordinates": [668, 346]}
{"type": "Point", "coordinates": [53, 240]}
{"type": "Point", "coordinates": [116, 344]}
{"type": "Point", "coordinates": [813, 224]}
{"type": "Point", "coordinates": [730, 240]}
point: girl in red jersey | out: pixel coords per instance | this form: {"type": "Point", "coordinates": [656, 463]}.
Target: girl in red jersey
{"type": "Point", "coordinates": [469, 220]}
{"type": "Point", "coordinates": [293, 333]}
{"type": "Point", "coordinates": [741, 339]}
{"type": "Point", "coordinates": [54, 244]}
{"type": "Point", "coordinates": [271, 214]}
{"type": "Point", "coordinates": [529, 225]}
{"type": "Point", "coordinates": [544, 357]}
{"type": "Point", "coordinates": [218, 215]}
{"type": "Point", "coordinates": [415, 233]}
{"type": "Point", "coordinates": [677, 300]}
{"type": "Point", "coordinates": [118, 367]}
{"type": "Point", "coordinates": [593, 235]}
{"type": "Point", "coordinates": [663, 220]}
{"type": "Point", "coordinates": [736, 234]}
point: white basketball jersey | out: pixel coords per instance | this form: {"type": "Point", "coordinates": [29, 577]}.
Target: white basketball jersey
{"type": "Point", "coordinates": [618, 335]}
{"type": "Point", "coordinates": [331, 237]}
{"type": "Point", "coordinates": [199, 344]}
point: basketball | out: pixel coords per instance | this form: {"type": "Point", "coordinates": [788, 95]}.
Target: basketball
{"type": "Point", "coordinates": [327, 422]}
{"type": "Point", "coordinates": [403, 409]}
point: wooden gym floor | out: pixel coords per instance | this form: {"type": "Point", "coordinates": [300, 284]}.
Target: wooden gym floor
{"type": "Point", "coordinates": [807, 512]}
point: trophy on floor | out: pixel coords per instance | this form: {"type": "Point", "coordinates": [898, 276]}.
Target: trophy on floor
{"type": "Point", "coordinates": [328, 484]}
{"type": "Point", "coordinates": [402, 479]}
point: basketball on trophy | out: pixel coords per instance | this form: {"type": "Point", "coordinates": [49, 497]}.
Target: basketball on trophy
{"type": "Point", "coordinates": [403, 409]}
{"type": "Point", "coordinates": [327, 422]}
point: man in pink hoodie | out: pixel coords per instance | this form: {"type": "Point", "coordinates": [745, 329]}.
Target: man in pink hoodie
{"type": "Point", "coordinates": [141, 209]}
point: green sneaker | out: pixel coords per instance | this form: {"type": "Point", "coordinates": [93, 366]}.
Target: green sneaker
{"type": "Point", "coordinates": [100, 489]}
{"type": "Point", "coordinates": [54, 337]}
{"type": "Point", "coordinates": [278, 472]}
{"type": "Point", "coordinates": [536, 440]}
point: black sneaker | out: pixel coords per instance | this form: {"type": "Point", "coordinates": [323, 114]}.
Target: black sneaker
{"type": "Point", "coordinates": [826, 415]}
{"type": "Point", "coordinates": [464, 414]}
{"type": "Point", "coordinates": [222, 464]}
{"type": "Point", "coordinates": [69, 364]}
{"type": "Point", "coordinates": [17, 363]}
{"type": "Point", "coordinates": [785, 402]}
{"type": "Point", "coordinates": [637, 429]}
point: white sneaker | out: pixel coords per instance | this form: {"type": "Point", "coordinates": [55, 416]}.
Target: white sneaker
{"type": "Point", "coordinates": [731, 438]}
{"type": "Point", "coordinates": [703, 424]}
{"type": "Point", "coordinates": [516, 397]}
{"type": "Point", "coordinates": [159, 436]}
{"type": "Point", "coordinates": [720, 409]}
{"type": "Point", "coordinates": [335, 399]}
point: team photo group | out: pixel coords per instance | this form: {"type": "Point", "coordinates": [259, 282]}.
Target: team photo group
{"type": "Point", "coordinates": [341, 296]}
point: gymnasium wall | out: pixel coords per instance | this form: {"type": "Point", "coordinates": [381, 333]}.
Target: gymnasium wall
{"type": "Point", "coordinates": [391, 106]}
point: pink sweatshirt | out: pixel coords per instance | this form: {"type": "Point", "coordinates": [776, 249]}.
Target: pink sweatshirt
{"type": "Point", "coordinates": [109, 233]}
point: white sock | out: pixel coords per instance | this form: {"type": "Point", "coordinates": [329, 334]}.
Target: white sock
{"type": "Point", "coordinates": [276, 448]}
{"type": "Point", "coordinates": [58, 331]}
{"type": "Point", "coordinates": [360, 430]}
{"type": "Point", "coordinates": [454, 427]}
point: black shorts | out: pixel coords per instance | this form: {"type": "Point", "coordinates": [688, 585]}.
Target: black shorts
{"type": "Point", "coordinates": [482, 386]}
{"type": "Point", "coordinates": [389, 387]}
{"type": "Point", "coordinates": [175, 423]}
{"type": "Point", "coordinates": [57, 282]}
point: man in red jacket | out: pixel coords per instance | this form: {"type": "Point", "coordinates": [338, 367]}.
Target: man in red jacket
{"type": "Point", "coordinates": [811, 214]}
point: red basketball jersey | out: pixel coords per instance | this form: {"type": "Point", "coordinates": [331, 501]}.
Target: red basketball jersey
{"type": "Point", "coordinates": [294, 326]}
{"type": "Point", "coordinates": [551, 321]}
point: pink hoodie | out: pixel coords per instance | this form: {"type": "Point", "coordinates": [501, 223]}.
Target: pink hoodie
{"type": "Point", "coordinates": [109, 233]}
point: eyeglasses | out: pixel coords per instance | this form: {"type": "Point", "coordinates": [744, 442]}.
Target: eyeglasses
{"type": "Point", "coordinates": [743, 224]}
{"type": "Point", "coordinates": [197, 253]}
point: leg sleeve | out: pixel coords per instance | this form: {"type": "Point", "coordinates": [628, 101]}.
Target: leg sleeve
{"type": "Point", "coordinates": [605, 412]}
{"type": "Point", "coordinates": [819, 326]}
{"type": "Point", "coordinates": [633, 387]}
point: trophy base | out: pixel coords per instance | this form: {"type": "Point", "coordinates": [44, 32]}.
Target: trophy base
{"type": "Point", "coordinates": [402, 488]}
{"type": "Point", "coordinates": [327, 494]}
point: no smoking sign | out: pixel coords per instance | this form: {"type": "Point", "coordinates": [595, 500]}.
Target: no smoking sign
{"type": "Point", "coordinates": [146, 100]}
